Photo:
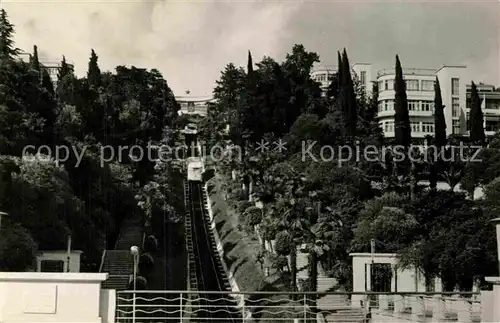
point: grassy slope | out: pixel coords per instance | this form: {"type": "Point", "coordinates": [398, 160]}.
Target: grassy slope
{"type": "Point", "coordinates": [240, 251]}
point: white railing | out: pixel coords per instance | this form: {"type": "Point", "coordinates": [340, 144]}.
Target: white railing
{"type": "Point", "coordinates": [435, 307]}
{"type": "Point", "coordinates": [206, 306]}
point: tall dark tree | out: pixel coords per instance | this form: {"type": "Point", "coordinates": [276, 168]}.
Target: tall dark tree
{"type": "Point", "coordinates": [401, 115]}
{"type": "Point", "coordinates": [349, 108]}
{"type": "Point", "coordinates": [337, 83]}
{"type": "Point", "coordinates": [249, 64]}
{"type": "Point", "coordinates": [64, 69]}
{"type": "Point", "coordinates": [476, 118]}
{"type": "Point", "coordinates": [94, 72]}
{"type": "Point", "coordinates": [47, 83]}
{"type": "Point", "coordinates": [439, 120]}
{"type": "Point", "coordinates": [34, 61]}
{"type": "Point", "coordinates": [7, 49]}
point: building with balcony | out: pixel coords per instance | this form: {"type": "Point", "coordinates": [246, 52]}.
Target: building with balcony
{"type": "Point", "coordinates": [324, 74]}
{"type": "Point", "coordinates": [455, 92]}
{"type": "Point", "coordinates": [194, 105]}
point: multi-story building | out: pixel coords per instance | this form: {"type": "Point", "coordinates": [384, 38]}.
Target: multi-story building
{"type": "Point", "coordinates": [324, 74]}
{"type": "Point", "coordinates": [455, 92]}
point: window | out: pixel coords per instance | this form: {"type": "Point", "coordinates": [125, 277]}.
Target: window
{"type": "Point", "coordinates": [380, 85]}
{"type": "Point", "coordinates": [190, 106]}
{"type": "Point", "coordinates": [412, 85]}
{"type": "Point", "coordinates": [427, 85]}
{"type": "Point", "coordinates": [415, 126]}
{"type": "Point", "coordinates": [362, 77]}
{"type": "Point", "coordinates": [389, 126]}
{"type": "Point", "coordinates": [454, 86]}
{"type": "Point", "coordinates": [413, 106]}
{"type": "Point", "coordinates": [427, 105]}
{"type": "Point", "coordinates": [456, 127]}
{"type": "Point", "coordinates": [52, 266]}
{"type": "Point", "coordinates": [390, 105]}
{"type": "Point", "coordinates": [386, 106]}
{"type": "Point", "coordinates": [455, 107]}
{"type": "Point", "coordinates": [380, 107]}
{"type": "Point", "coordinates": [428, 127]}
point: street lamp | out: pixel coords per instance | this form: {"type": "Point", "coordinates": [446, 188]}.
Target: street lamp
{"type": "Point", "coordinates": [134, 250]}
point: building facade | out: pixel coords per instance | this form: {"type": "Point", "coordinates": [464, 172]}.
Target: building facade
{"type": "Point", "coordinates": [455, 92]}
{"type": "Point", "coordinates": [193, 105]}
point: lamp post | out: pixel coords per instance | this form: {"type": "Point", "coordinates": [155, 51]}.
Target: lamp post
{"type": "Point", "coordinates": [134, 250]}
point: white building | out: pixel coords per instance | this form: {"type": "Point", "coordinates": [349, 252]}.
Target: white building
{"type": "Point", "coordinates": [455, 91]}
{"type": "Point", "coordinates": [193, 105]}
{"type": "Point", "coordinates": [324, 74]}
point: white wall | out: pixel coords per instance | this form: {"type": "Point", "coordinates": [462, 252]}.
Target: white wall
{"type": "Point", "coordinates": [53, 297]}
{"type": "Point", "coordinates": [408, 280]}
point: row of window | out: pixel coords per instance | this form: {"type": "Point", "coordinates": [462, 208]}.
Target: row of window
{"type": "Point", "coordinates": [427, 127]}
{"type": "Point", "coordinates": [413, 105]}
{"type": "Point", "coordinates": [411, 85]}
{"type": "Point", "coordinates": [322, 77]}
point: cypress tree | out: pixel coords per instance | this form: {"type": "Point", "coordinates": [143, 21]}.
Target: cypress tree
{"type": "Point", "coordinates": [7, 49]}
{"type": "Point", "coordinates": [350, 108]}
{"type": "Point", "coordinates": [476, 117]}
{"type": "Point", "coordinates": [94, 73]}
{"type": "Point", "coordinates": [47, 82]}
{"type": "Point", "coordinates": [249, 64]}
{"type": "Point", "coordinates": [338, 83]}
{"type": "Point", "coordinates": [401, 116]}
{"type": "Point", "coordinates": [64, 70]}
{"type": "Point", "coordinates": [439, 121]}
{"type": "Point", "coordinates": [34, 61]}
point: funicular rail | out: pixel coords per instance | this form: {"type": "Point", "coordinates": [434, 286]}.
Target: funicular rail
{"type": "Point", "coordinates": [209, 307]}
{"type": "Point", "coordinates": [192, 279]}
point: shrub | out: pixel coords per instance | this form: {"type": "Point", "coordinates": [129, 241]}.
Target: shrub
{"type": "Point", "coordinates": [243, 205]}
{"type": "Point", "coordinates": [253, 216]}
{"type": "Point", "coordinates": [151, 244]}
{"type": "Point", "coordinates": [283, 243]}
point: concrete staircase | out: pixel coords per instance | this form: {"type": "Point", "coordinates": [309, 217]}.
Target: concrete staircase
{"type": "Point", "coordinates": [119, 262]}
{"type": "Point", "coordinates": [336, 307]}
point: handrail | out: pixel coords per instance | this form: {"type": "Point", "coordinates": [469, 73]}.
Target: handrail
{"type": "Point", "coordinates": [103, 257]}
{"type": "Point", "coordinates": [305, 293]}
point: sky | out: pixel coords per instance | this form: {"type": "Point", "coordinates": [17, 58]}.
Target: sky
{"type": "Point", "coordinates": [191, 42]}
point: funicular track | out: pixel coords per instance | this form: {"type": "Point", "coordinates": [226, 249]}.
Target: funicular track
{"type": "Point", "coordinates": [204, 269]}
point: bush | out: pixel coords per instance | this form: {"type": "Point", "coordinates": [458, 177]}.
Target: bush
{"type": "Point", "coordinates": [17, 248]}
{"type": "Point", "coordinates": [283, 243]}
{"type": "Point", "coordinates": [253, 216]}
{"type": "Point", "coordinates": [243, 205]}
{"type": "Point", "coordinates": [151, 244]}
